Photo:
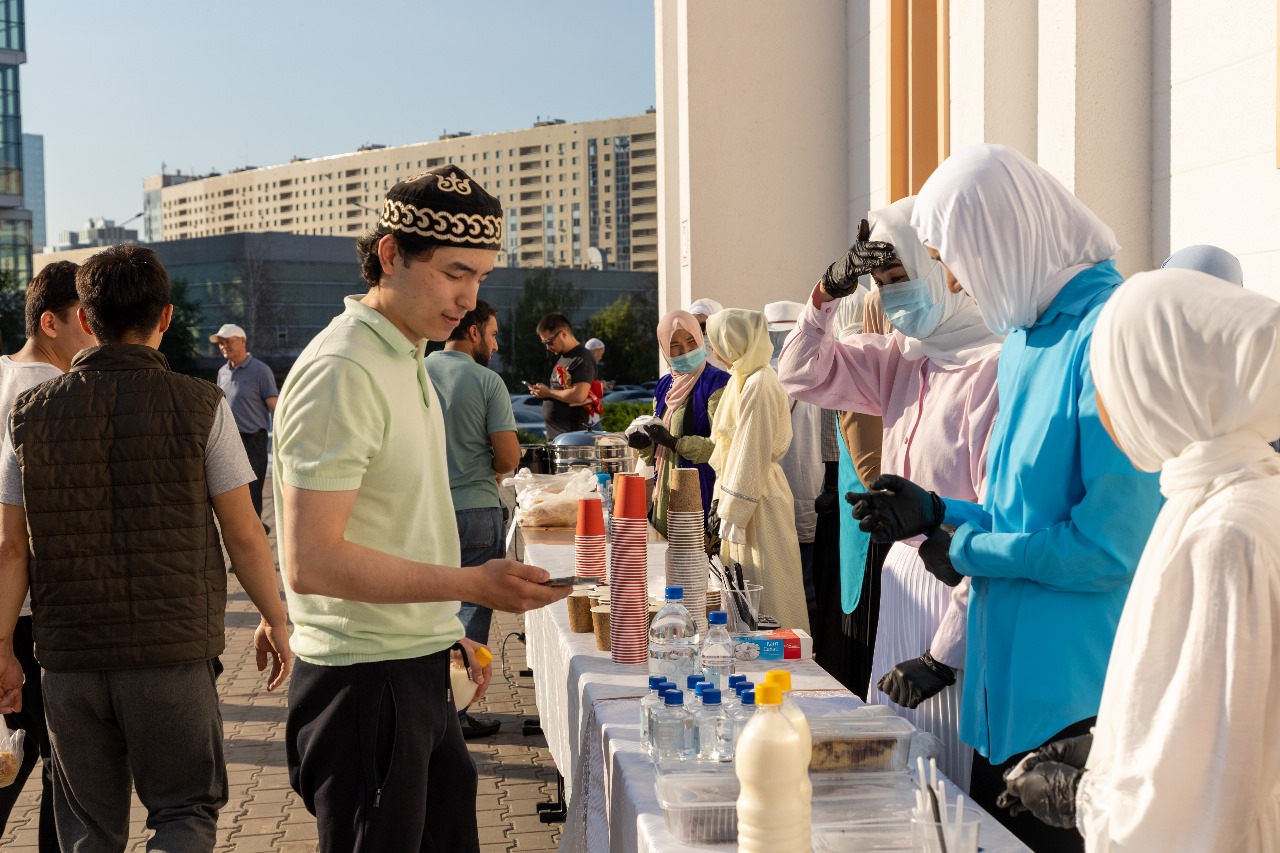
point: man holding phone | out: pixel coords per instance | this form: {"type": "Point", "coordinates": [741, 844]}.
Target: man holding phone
{"type": "Point", "coordinates": [369, 542]}
{"type": "Point", "coordinates": [565, 398]}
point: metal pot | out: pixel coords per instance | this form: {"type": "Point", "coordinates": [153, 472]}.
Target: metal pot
{"type": "Point", "coordinates": [535, 457]}
{"type": "Point", "coordinates": [601, 451]}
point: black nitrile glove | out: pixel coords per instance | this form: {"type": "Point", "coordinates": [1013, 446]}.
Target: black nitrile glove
{"type": "Point", "coordinates": [841, 278]}
{"type": "Point", "coordinates": [1071, 751]}
{"type": "Point", "coordinates": [896, 509]}
{"type": "Point", "coordinates": [827, 502]}
{"type": "Point", "coordinates": [913, 681]}
{"type": "Point", "coordinates": [935, 553]}
{"type": "Point", "coordinates": [659, 434]}
{"type": "Point", "coordinates": [1047, 790]}
{"type": "Point", "coordinates": [639, 440]}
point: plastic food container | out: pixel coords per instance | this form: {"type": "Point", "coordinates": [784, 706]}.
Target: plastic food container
{"type": "Point", "coordinates": [890, 836]}
{"type": "Point", "coordinates": [700, 806]}
{"type": "Point", "coordinates": [839, 798]}
{"type": "Point", "coordinates": [859, 743]}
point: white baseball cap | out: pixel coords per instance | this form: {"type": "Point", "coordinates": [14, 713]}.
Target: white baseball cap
{"type": "Point", "coordinates": [594, 343]}
{"type": "Point", "coordinates": [228, 330]}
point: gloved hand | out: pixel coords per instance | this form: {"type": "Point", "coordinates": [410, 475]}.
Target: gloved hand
{"type": "Point", "coordinates": [639, 440]}
{"type": "Point", "coordinates": [841, 278]}
{"type": "Point", "coordinates": [713, 529]}
{"type": "Point", "coordinates": [827, 502]}
{"type": "Point", "coordinates": [935, 553]}
{"type": "Point", "coordinates": [1071, 751]}
{"type": "Point", "coordinates": [896, 509]}
{"type": "Point", "coordinates": [1047, 790]}
{"type": "Point", "coordinates": [659, 434]}
{"type": "Point", "coordinates": [913, 681]}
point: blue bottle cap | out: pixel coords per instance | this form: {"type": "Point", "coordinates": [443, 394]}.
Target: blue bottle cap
{"type": "Point", "coordinates": [735, 680]}
{"type": "Point", "coordinates": [603, 478]}
{"type": "Point", "coordinates": [656, 681]}
{"type": "Point", "coordinates": [748, 697]}
{"type": "Point", "coordinates": [673, 697]}
{"type": "Point", "coordinates": [691, 680]}
{"type": "Point", "coordinates": [675, 593]}
{"type": "Point", "coordinates": [744, 686]}
{"type": "Point", "coordinates": [700, 687]}
{"type": "Point", "coordinates": [711, 696]}
{"type": "Point", "coordinates": [665, 689]}
{"type": "Point", "coordinates": [717, 617]}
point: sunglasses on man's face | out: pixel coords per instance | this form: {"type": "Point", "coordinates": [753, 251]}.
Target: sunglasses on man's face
{"type": "Point", "coordinates": [546, 342]}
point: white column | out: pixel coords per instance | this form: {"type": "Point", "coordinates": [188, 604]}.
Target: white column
{"type": "Point", "coordinates": [670, 293]}
{"type": "Point", "coordinates": [762, 146]}
{"type": "Point", "coordinates": [1094, 112]}
{"type": "Point", "coordinates": [994, 73]}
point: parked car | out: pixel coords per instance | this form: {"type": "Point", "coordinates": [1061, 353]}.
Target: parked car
{"type": "Point", "coordinates": [529, 421]}
{"type": "Point", "coordinates": [618, 388]}
{"type": "Point", "coordinates": [625, 396]}
{"type": "Point", "coordinates": [650, 386]}
{"type": "Point", "coordinates": [518, 400]}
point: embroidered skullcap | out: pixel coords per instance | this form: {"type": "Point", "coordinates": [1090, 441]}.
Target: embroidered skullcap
{"type": "Point", "coordinates": [444, 206]}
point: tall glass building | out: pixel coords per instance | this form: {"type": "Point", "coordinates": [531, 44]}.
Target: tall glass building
{"type": "Point", "coordinates": [33, 187]}
{"type": "Point", "coordinates": [15, 220]}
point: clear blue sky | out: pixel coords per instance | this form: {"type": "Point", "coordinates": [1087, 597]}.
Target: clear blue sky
{"type": "Point", "coordinates": [117, 88]}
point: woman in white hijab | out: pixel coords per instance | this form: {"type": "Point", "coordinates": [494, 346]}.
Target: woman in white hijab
{"type": "Point", "coordinates": [1053, 545]}
{"type": "Point", "coordinates": [932, 380]}
{"type": "Point", "coordinates": [752, 431]}
{"type": "Point", "coordinates": [1186, 754]}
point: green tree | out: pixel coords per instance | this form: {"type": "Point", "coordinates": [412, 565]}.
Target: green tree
{"type": "Point", "coordinates": [181, 343]}
{"type": "Point", "coordinates": [627, 327]}
{"type": "Point", "coordinates": [13, 312]}
{"type": "Point", "coordinates": [523, 355]}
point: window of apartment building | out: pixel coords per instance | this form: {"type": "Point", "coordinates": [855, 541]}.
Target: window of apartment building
{"type": "Point", "coordinates": [511, 152]}
{"type": "Point", "coordinates": [499, 184]}
{"type": "Point", "coordinates": [574, 145]}
{"type": "Point", "coordinates": [575, 190]}
{"type": "Point", "coordinates": [486, 155]}
{"type": "Point", "coordinates": [561, 162]}
{"type": "Point", "coordinates": [607, 157]}
{"type": "Point", "coordinates": [546, 149]}
{"type": "Point", "coordinates": [918, 94]}
{"type": "Point", "coordinates": [561, 193]}
{"type": "Point", "coordinates": [547, 164]}
{"type": "Point", "coordinates": [608, 172]}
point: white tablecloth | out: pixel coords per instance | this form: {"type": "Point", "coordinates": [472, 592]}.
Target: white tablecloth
{"type": "Point", "coordinates": [588, 707]}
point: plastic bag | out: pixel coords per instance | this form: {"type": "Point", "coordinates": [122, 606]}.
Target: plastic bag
{"type": "Point", "coordinates": [639, 424]}
{"type": "Point", "coordinates": [554, 503]}
{"type": "Point", "coordinates": [10, 754]}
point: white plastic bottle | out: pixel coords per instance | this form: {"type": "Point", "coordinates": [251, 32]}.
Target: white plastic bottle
{"type": "Point", "coordinates": [717, 651]}
{"type": "Point", "coordinates": [673, 730]}
{"type": "Point", "coordinates": [673, 639]}
{"type": "Point", "coordinates": [790, 710]}
{"type": "Point", "coordinates": [712, 728]}
{"type": "Point", "coordinates": [772, 806]}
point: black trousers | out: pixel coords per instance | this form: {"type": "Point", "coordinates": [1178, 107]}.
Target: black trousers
{"type": "Point", "coordinates": [376, 753]}
{"type": "Point", "coordinates": [36, 744]}
{"type": "Point", "coordinates": [255, 445]}
{"type": "Point", "coordinates": [987, 783]}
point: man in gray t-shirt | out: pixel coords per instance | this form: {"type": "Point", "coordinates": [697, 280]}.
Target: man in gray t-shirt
{"type": "Point", "coordinates": [251, 390]}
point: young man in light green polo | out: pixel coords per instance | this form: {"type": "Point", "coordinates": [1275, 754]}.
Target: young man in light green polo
{"type": "Point", "coordinates": [369, 546]}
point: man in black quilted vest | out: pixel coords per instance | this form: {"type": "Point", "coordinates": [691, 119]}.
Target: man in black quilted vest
{"type": "Point", "coordinates": [117, 470]}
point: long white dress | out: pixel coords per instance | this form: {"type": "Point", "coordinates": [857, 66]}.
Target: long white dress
{"type": "Point", "coordinates": [754, 497]}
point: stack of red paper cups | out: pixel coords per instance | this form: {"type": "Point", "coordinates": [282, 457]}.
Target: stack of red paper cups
{"type": "Point", "coordinates": [591, 547]}
{"type": "Point", "coordinates": [628, 573]}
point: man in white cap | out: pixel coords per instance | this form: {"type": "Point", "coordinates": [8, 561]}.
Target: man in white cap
{"type": "Point", "coordinates": [804, 464]}
{"type": "Point", "coordinates": [251, 390]}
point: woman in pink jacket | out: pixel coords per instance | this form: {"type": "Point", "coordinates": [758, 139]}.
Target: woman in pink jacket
{"type": "Point", "coordinates": [933, 382]}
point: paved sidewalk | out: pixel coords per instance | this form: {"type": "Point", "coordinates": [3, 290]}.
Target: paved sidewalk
{"type": "Point", "coordinates": [263, 813]}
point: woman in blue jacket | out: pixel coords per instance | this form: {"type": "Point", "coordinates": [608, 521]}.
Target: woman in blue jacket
{"type": "Point", "coordinates": [1054, 545]}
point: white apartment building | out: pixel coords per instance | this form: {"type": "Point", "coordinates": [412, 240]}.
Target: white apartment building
{"type": "Point", "coordinates": [780, 124]}
{"type": "Point", "coordinates": [578, 195]}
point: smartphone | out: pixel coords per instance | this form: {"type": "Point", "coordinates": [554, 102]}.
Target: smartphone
{"type": "Point", "coordinates": [569, 580]}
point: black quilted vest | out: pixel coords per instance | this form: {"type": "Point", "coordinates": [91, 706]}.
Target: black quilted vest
{"type": "Point", "coordinates": [126, 563]}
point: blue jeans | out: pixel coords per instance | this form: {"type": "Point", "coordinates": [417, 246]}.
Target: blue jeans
{"type": "Point", "coordinates": [480, 535]}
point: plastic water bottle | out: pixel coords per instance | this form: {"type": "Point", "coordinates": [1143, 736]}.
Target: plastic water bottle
{"type": "Point", "coordinates": [743, 713]}
{"type": "Point", "coordinates": [729, 696]}
{"type": "Point", "coordinates": [673, 730]}
{"type": "Point", "coordinates": [773, 807]}
{"type": "Point", "coordinates": [650, 742]}
{"type": "Point", "coordinates": [647, 704]}
{"type": "Point", "coordinates": [712, 728]}
{"type": "Point", "coordinates": [717, 651]}
{"type": "Point", "coordinates": [606, 500]}
{"type": "Point", "coordinates": [673, 639]}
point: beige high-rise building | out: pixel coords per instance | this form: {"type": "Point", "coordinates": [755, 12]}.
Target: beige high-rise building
{"type": "Point", "coordinates": [576, 195]}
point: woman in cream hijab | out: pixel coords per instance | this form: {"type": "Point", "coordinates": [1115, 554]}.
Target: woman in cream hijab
{"type": "Point", "coordinates": [752, 431]}
{"type": "Point", "coordinates": [1186, 753]}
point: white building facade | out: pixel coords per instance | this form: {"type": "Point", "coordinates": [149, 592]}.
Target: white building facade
{"type": "Point", "coordinates": [781, 123]}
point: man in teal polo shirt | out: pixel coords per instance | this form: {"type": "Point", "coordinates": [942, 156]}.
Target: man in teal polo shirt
{"type": "Point", "coordinates": [482, 445]}
{"type": "Point", "coordinates": [369, 546]}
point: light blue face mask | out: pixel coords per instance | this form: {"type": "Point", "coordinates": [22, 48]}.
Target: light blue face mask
{"type": "Point", "coordinates": [689, 362]}
{"type": "Point", "coordinates": [911, 309]}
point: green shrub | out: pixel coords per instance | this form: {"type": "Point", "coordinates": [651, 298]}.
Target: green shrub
{"type": "Point", "coordinates": [618, 416]}
{"type": "Point", "coordinates": [530, 437]}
